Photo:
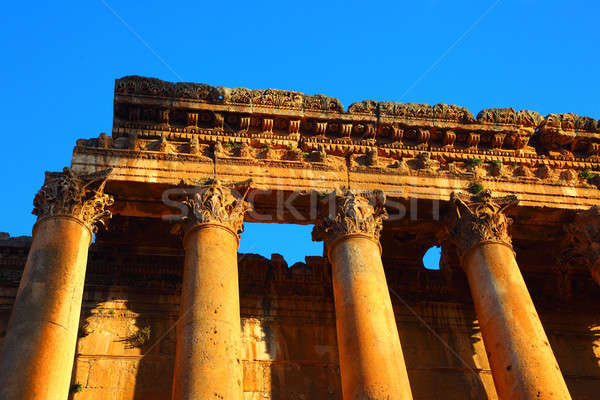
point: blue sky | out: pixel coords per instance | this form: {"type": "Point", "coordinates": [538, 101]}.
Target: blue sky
{"type": "Point", "coordinates": [61, 59]}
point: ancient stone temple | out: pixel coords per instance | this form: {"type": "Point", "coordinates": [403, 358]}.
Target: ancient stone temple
{"type": "Point", "coordinates": [131, 286]}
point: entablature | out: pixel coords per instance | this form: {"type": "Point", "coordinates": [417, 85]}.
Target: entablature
{"type": "Point", "coordinates": [165, 133]}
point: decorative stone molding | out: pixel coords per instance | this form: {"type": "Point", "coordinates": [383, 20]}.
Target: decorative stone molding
{"type": "Point", "coordinates": [582, 242]}
{"type": "Point", "coordinates": [494, 128]}
{"type": "Point", "coordinates": [216, 203]}
{"type": "Point", "coordinates": [355, 213]}
{"type": "Point", "coordinates": [151, 109]}
{"type": "Point", "coordinates": [79, 196]}
{"type": "Point", "coordinates": [479, 219]}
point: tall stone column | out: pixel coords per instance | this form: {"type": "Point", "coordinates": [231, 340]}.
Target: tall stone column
{"type": "Point", "coordinates": [207, 363]}
{"type": "Point", "coordinates": [39, 347]}
{"type": "Point", "coordinates": [371, 360]}
{"type": "Point", "coordinates": [583, 241]}
{"type": "Point", "coordinates": [522, 362]}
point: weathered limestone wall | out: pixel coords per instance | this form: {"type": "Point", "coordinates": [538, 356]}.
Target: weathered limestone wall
{"type": "Point", "coordinates": [126, 343]}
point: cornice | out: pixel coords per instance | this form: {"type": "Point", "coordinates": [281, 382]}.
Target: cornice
{"type": "Point", "coordinates": [142, 103]}
{"type": "Point", "coordinates": [196, 122]}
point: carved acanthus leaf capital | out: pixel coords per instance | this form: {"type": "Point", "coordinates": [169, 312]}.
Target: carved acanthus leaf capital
{"type": "Point", "coordinates": [80, 196]}
{"type": "Point", "coordinates": [354, 213]}
{"type": "Point", "coordinates": [582, 241]}
{"type": "Point", "coordinates": [477, 219]}
{"type": "Point", "coordinates": [217, 203]}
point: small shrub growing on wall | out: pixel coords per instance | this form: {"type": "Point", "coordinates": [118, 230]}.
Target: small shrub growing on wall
{"type": "Point", "coordinates": [474, 162]}
{"type": "Point", "coordinates": [586, 174]}
{"type": "Point", "coordinates": [143, 336]}
{"type": "Point", "coordinates": [475, 187]}
{"type": "Point", "coordinates": [76, 388]}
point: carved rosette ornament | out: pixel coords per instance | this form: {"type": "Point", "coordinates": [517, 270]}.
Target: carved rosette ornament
{"type": "Point", "coordinates": [582, 243]}
{"type": "Point", "coordinates": [479, 219]}
{"type": "Point", "coordinates": [218, 204]}
{"type": "Point", "coordinates": [79, 196]}
{"type": "Point", "coordinates": [355, 213]}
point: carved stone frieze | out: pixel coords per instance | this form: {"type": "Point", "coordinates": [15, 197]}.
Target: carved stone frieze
{"type": "Point", "coordinates": [425, 111]}
{"type": "Point", "coordinates": [213, 202]}
{"type": "Point", "coordinates": [582, 242]}
{"type": "Point", "coordinates": [80, 196]}
{"type": "Point", "coordinates": [276, 98]}
{"type": "Point", "coordinates": [321, 102]}
{"type": "Point", "coordinates": [524, 118]}
{"type": "Point", "coordinates": [290, 100]}
{"type": "Point", "coordinates": [477, 219]}
{"type": "Point", "coordinates": [156, 87]}
{"type": "Point", "coordinates": [352, 212]}
{"type": "Point", "coordinates": [568, 133]}
{"type": "Point", "coordinates": [363, 107]}
{"type": "Point", "coordinates": [280, 118]}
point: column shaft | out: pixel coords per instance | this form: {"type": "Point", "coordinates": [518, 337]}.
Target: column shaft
{"type": "Point", "coordinates": [371, 360]}
{"type": "Point", "coordinates": [42, 332]}
{"type": "Point", "coordinates": [522, 362]}
{"type": "Point", "coordinates": [207, 362]}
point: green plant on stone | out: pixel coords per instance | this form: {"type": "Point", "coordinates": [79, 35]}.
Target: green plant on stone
{"type": "Point", "coordinates": [475, 187]}
{"type": "Point", "coordinates": [587, 175]}
{"type": "Point", "coordinates": [305, 155]}
{"type": "Point", "coordinates": [497, 163]}
{"type": "Point", "coordinates": [76, 388]}
{"type": "Point", "coordinates": [142, 336]}
{"type": "Point", "coordinates": [474, 162]}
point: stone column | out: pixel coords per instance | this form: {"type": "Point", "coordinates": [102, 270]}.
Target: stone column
{"type": "Point", "coordinates": [39, 348]}
{"type": "Point", "coordinates": [371, 360]}
{"type": "Point", "coordinates": [582, 245]}
{"type": "Point", "coordinates": [522, 362]}
{"type": "Point", "coordinates": [207, 363]}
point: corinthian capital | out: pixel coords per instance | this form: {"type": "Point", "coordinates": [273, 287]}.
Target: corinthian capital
{"type": "Point", "coordinates": [216, 203]}
{"type": "Point", "coordinates": [582, 242]}
{"type": "Point", "coordinates": [70, 194]}
{"type": "Point", "coordinates": [355, 213]}
{"type": "Point", "coordinates": [477, 219]}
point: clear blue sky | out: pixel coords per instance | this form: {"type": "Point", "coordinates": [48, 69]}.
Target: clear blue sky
{"type": "Point", "coordinates": [61, 59]}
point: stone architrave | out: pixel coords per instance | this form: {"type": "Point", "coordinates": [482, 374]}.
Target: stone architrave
{"type": "Point", "coordinates": [521, 359]}
{"type": "Point", "coordinates": [371, 360]}
{"type": "Point", "coordinates": [39, 348]}
{"type": "Point", "coordinates": [207, 363]}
